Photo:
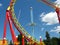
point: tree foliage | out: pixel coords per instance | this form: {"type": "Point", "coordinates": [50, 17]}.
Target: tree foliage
{"type": "Point", "coordinates": [51, 41]}
{"type": "Point", "coordinates": [20, 40]}
{"type": "Point", "coordinates": [11, 43]}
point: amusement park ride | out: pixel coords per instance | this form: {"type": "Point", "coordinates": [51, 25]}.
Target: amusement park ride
{"type": "Point", "coordinates": [11, 19]}
{"type": "Point", "coordinates": [32, 24]}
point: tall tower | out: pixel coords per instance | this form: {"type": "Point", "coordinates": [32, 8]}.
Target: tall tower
{"type": "Point", "coordinates": [32, 24]}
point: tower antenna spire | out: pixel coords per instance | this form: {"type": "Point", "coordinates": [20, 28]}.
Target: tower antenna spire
{"type": "Point", "coordinates": [32, 24]}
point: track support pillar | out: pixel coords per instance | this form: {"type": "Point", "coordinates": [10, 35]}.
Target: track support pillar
{"type": "Point", "coordinates": [23, 43]}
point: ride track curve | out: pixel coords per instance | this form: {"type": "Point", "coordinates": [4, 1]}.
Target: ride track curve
{"type": "Point", "coordinates": [18, 26]}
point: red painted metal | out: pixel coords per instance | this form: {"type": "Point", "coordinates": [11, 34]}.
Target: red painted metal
{"type": "Point", "coordinates": [4, 35]}
{"type": "Point", "coordinates": [8, 18]}
{"type": "Point", "coordinates": [5, 26]}
{"type": "Point", "coordinates": [41, 41]}
{"type": "Point", "coordinates": [35, 43]}
{"type": "Point", "coordinates": [11, 28]}
{"type": "Point", "coordinates": [58, 13]}
{"type": "Point", "coordinates": [50, 4]}
{"type": "Point", "coordinates": [23, 40]}
{"type": "Point", "coordinates": [19, 29]}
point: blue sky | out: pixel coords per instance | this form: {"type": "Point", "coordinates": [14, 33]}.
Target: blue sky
{"type": "Point", "coordinates": [41, 12]}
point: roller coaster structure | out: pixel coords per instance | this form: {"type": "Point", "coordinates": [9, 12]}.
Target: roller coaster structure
{"type": "Point", "coordinates": [11, 19]}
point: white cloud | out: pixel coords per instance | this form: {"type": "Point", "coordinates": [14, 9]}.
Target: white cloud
{"type": "Point", "coordinates": [0, 4]}
{"type": "Point", "coordinates": [49, 18]}
{"type": "Point", "coordinates": [57, 3]}
{"type": "Point", "coordinates": [56, 29]}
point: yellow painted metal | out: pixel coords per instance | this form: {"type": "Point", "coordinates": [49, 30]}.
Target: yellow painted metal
{"type": "Point", "coordinates": [16, 43]}
{"type": "Point", "coordinates": [1, 42]}
{"type": "Point", "coordinates": [8, 8]}
{"type": "Point", "coordinates": [42, 43]}
{"type": "Point", "coordinates": [18, 24]}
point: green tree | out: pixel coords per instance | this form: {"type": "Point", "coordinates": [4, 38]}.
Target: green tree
{"type": "Point", "coordinates": [11, 43]}
{"type": "Point", "coordinates": [20, 40]}
{"type": "Point", "coordinates": [48, 42]}
{"type": "Point", "coordinates": [51, 41]}
{"type": "Point", "coordinates": [47, 35]}
{"type": "Point", "coordinates": [25, 42]}
{"type": "Point", "coordinates": [54, 41]}
{"type": "Point", "coordinates": [59, 41]}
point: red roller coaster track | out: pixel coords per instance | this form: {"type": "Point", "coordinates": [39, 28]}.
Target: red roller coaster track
{"type": "Point", "coordinates": [11, 19]}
